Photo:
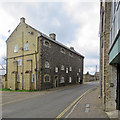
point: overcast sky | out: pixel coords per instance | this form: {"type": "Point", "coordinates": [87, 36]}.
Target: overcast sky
{"type": "Point", "coordinates": [74, 23]}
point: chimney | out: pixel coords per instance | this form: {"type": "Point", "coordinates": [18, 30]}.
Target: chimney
{"type": "Point", "coordinates": [72, 48]}
{"type": "Point", "coordinates": [22, 20]}
{"type": "Point", "coordinates": [53, 36]}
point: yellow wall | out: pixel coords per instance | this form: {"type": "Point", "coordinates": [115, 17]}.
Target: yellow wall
{"type": "Point", "coordinates": [19, 37]}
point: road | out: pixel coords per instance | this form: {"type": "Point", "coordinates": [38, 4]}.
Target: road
{"type": "Point", "coordinates": [45, 106]}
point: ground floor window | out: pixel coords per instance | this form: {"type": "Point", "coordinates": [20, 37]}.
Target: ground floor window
{"type": "Point", "coordinates": [70, 79]}
{"type": "Point", "coordinates": [47, 78]}
{"type": "Point", "coordinates": [18, 78]}
{"type": "Point", "coordinates": [33, 77]}
{"type": "Point", "coordinates": [62, 80]}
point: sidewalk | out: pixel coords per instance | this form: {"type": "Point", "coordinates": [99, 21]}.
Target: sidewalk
{"type": "Point", "coordinates": [89, 106]}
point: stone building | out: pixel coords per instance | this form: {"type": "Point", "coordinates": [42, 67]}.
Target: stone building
{"type": "Point", "coordinates": [37, 61]}
{"type": "Point", "coordinates": [89, 78]}
{"type": "Point", "coordinates": [108, 71]}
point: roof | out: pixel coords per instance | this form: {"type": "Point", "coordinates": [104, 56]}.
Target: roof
{"type": "Point", "coordinates": [49, 38]}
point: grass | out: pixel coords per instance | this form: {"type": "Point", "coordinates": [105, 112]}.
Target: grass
{"type": "Point", "coordinates": [17, 90]}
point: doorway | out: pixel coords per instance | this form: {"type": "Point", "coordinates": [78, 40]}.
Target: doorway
{"type": "Point", "coordinates": [56, 81]}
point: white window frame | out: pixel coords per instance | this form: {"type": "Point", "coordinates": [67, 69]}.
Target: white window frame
{"type": "Point", "coordinates": [79, 70]}
{"type": "Point", "coordinates": [70, 79]}
{"type": "Point", "coordinates": [16, 48]}
{"type": "Point", "coordinates": [19, 62]}
{"type": "Point", "coordinates": [18, 78]}
{"type": "Point", "coordinates": [33, 77]}
{"type": "Point", "coordinates": [62, 67]}
{"type": "Point", "coordinates": [79, 79]}
{"type": "Point", "coordinates": [47, 65]}
{"type": "Point", "coordinates": [70, 68]}
{"type": "Point", "coordinates": [26, 46]}
{"type": "Point", "coordinates": [66, 70]}
{"type": "Point", "coordinates": [56, 69]}
{"type": "Point", "coordinates": [62, 79]}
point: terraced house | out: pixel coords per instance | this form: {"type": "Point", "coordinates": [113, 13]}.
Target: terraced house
{"type": "Point", "coordinates": [37, 61]}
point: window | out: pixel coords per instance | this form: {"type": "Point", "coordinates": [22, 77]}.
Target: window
{"type": "Point", "coordinates": [19, 62]}
{"type": "Point", "coordinates": [70, 79]}
{"type": "Point", "coordinates": [15, 48]}
{"type": "Point", "coordinates": [33, 77]}
{"type": "Point", "coordinates": [62, 80]}
{"type": "Point", "coordinates": [18, 78]}
{"type": "Point", "coordinates": [77, 74]}
{"type": "Point", "coordinates": [70, 69]}
{"type": "Point", "coordinates": [62, 50]}
{"type": "Point", "coordinates": [56, 69]}
{"type": "Point", "coordinates": [26, 46]}
{"type": "Point", "coordinates": [46, 78]}
{"type": "Point", "coordinates": [46, 43]}
{"type": "Point", "coordinates": [47, 65]}
{"type": "Point", "coordinates": [79, 70]}
{"type": "Point", "coordinates": [79, 79]}
{"type": "Point", "coordinates": [62, 67]}
{"type": "Point", "coordinates": [66, 70]}
{"type": "Point", "coordinates": [71, 54]}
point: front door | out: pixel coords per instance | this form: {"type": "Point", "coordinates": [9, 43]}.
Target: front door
{"type": "Point", "coordinates": [118, 88]}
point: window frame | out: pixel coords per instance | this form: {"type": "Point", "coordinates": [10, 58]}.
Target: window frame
{"type": "Point", "coordinates": [70, 79]}
{"type": "Point", "coordinates": [47, 75]}
{"type": "Point", "coordinates": [18, 78]}
{"type": "Point", "coordinates": [33, 78]}
{"type": "Point", "coordinates": [62, 79]}
{"type": "Point", "coordinates": [56, 69]}
{"type": "Point", "coordinates": [15, 48]}
{"type": "Point", "coordinates": [47, 64]}
{"type": "Point", "coordinates": [26, 46]}
{"type": "Point", "coordinates": [62, 67]}
{"type": "Point", "coordinates": [62, 50]}
{"type": "Point", "coordinates": [19, 62]}
{"type": "Point", "coordinates": [67, 71]}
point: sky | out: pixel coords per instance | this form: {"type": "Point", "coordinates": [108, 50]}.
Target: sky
{"type": "Point", "coordinates": [74, 23]}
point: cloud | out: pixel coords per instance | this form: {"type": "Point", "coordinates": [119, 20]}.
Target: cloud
{"type": "Point", "coordinates": [75, 23]}
{"type": "Point", "coordinates": [86, 36]}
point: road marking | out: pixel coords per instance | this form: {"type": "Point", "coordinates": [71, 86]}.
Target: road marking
{"type": "Point", "coordinates": [61, 114]}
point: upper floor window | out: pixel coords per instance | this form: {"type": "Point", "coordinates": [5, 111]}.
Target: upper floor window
{"type": "Point", "coordinates": [26, 47]}
{"type": "Point", "coordinates": [33, 77]}
{"type": "Point", "coordinates": [46, 43]}
{"type": "Point", "coordinates": [47, 65]}
{"type": "Point", "coordinates": [71, 54]}
{"type": "Point", "coordinates": [70, 69]}
{"type": "Point", "coordinates": [46, 78]}
{"type": "Point", "coordinates": [62, 50]}
{"type": "Point", "coordinates": [62, 80]}
{"type": "Point", "coordinates": [66, 70]}
{"type": "Point", "coordinates": [15, 48]}
{"type": "Point", "coordinates": [56, 69]}
{"type": "Point", "coordinates": [62, 67]}
{"type": "Point", "coordinates": [19, 62]}
{"type": "Point", "coordinates": [79, 70]}
{"type": "Point", "coordinates": [18, 77]}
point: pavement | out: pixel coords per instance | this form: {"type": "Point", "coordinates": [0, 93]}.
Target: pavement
{"type": "Point", "coordinates": [89, 106]}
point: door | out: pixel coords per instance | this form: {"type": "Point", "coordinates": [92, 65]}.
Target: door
{"type": "Point", "coordinates": [118, 89]}
{"type": "Point", "coordinates": [56, 81]}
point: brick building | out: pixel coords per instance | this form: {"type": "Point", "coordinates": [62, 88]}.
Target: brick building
{"type": "Point", "coordinates": [109, 55]}
{"type": "Point", "coordinates": [37, 61]}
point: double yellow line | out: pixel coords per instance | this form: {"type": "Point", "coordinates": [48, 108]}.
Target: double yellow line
{"type": "Point", "coordinates": [61, 114]}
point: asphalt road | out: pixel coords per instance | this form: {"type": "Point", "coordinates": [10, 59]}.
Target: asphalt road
{"type": "Point", "coordinates": [45, 106]}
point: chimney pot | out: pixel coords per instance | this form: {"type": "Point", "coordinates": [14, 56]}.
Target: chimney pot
{"type": "Point", "coordinates": [22, 20]}
{"type": "Point", "coordinates": [72, 48]}
{"type": "Point", "coordinates": [53, 36]}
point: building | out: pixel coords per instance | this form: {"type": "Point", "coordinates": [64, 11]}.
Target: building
{"type": "Point", "coordinates": [89, 78]}
{"type": "Point", "coordinates": [109, 54]}
{"type": "Point", "coordinates": [36, 61]}
{"type": "Point", "coordinates": [2, 77]}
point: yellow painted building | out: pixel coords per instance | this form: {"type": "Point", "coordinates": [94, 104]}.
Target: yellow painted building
{"type": "Point", "coordinates": [21, 57]}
